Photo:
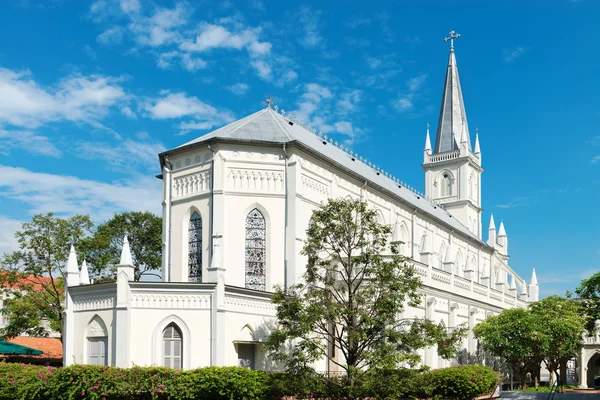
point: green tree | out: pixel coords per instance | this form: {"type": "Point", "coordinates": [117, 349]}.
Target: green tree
{"type": "Point", "coordinates": [563, 324]}
{"type": "Point", "coordinates": [518, 336]}
{"type": "Point", "coordinates": [32, 276]}
{"type": "Point", "coordinates": [350, 299]}
{"type": "Point", "coordinates": [144, 233]}
{"type": "Point", "coordinates": [589, 293]}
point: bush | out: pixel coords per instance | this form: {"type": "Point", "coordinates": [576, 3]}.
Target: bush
{"type": "Point", "coordinates": [30, 382]}
{"type": "Point", "coordinates": [463, 382]}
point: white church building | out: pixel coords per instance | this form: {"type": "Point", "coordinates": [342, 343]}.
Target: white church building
{"type": "Point", "coordinates": [236, 206]}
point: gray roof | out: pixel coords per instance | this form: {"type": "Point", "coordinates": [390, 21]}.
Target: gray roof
{"type": "Point", "coordinates": [452, 123]}
{"type": "Point", "coordinates": [268, 126]}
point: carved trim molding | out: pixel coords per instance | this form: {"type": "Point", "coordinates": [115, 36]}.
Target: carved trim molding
{"type": "Point", "coordinates": [170, 301]}
{"type": "Point", "coordinates": [94, 302]}
{"type": "Point", "coordinates": [255, 180]}
{"type": "Point", "coordinates": [314, 185]}
{"type": "Point", "coordinates": [197, 182]}
{"type": "Point", "coordinates": [250, 306]}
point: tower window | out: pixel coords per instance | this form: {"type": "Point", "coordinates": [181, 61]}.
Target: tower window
{"type": "Point", "coordinates": [195, 248]}
{"type": "Point", "coordinates": [256, 250]}
{"type": "Point", "coordinates": [446, 186]}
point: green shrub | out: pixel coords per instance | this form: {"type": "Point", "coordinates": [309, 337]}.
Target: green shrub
{"type": "Point", "coordinates": [462, 382]}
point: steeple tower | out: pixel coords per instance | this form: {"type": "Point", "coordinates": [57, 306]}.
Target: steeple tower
{"type": "Point", "coordinates": [453, 170]}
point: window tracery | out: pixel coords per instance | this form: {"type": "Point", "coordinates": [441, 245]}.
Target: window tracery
{"type": "Point", "coordinates": [256, 251]}
{"type": "Point", "coordinates": [195, 248]}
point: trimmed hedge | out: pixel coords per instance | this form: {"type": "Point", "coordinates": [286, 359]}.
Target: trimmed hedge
{"type": "Point", "coordinates": [30, 382]}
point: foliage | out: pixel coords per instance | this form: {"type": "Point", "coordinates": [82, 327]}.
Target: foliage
{"type": "Point", "coordinates": [518, 336]}
{"type": "Point", "coordinates": [28, 382]}
{"type": "Point", "coordinates": [563, 326]}
{"type": "Point", "coordinates": [144, 233]}
{"type": "Point", "coordinates": [589, 292]}
{"type": "Point", "coordinates": [351, 297]}
{"type": "Point", "coordinates": [463, 382]}
{"type": "Point", "coordinates": [35, 271]}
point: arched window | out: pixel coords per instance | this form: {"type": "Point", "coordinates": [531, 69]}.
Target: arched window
{"type": "Point", "coordinates": [446, 185]}
{"type": "Point", "coordinates": [172, 346]}
{"type": "Point", "coordinates": [441, 256]}
{"type": "Point", "coordinates": [256, 250]}
{"type": "Point", "coordinates": [458, 264]}
{"type": "Point", "coordinates": [195, 248]}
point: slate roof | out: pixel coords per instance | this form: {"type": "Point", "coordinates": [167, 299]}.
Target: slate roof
{"type": "Point", "coordinates": [452, 123]}
{"type": "Point", "coordinates": [268, 126]}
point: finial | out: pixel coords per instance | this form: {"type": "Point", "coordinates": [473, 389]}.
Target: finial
{"type": "Point", "coordinates": [283, 112]}
{"type": "Point", "coordinates": [477, 131]}
{"type": "Point", "coordinates": [269, 101]}
{"type": "Point", "coordinates": [276, 108]}
{"type": "Point", "coordinates": [125, 253]}
{"type": "Point", "coordinates": [453, 35]}
{"type": "Point", "coordinates": [428, 126]}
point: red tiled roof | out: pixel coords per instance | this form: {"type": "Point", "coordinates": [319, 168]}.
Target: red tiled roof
{"type": "Point", "coordinates": [26, 280]}
{"type": "Point", "coordinates": [51, 347]}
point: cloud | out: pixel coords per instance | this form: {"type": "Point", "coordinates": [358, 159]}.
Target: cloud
{"type": "Point", "coordinates": [180, 105]}
{"type": "Point", "coordinates": [358, 20]}
{"type": "Point", "coordinates": [89, 52]}
{"type": "Point", "coordinates": [130, 6]}
{"type": "Point", "coordinates": [128, 112]}
{"type": "Point", "coordinates": [162, 27]}
{"type": "Point", "coordinates": [238, 88]}
{"type": "Point", "coordinates": [212, 36]}
{"type": "Point", "coordinates": [518, 201]}
{"type": "Point", "coordinates": [111, 36]}
{"type": "Point", "coordinates": [28, 141]}
{"type": "Point", "coordinates": [511, 55]}
{"type": "Point", "coordinates": [125, 154]}
{"type": "Point", "coordinates": [308, 21]}
{"type": "Point", "coordinates": [321, 109]}
{"type": "Point", "coordinates": [405, 102]}
{"type": "Point", "coordinates": [8, 227]}
{"type": "Point", "coordinates": [595, 159]}
{"type": "Point", "coordinates": [263, 69]}
{"type": "Point", "coordinates": [77, 98]}
{"type": "Point", "coordinates": [67, 195]}
{"type": "Point", "coordinates": [186, 61]}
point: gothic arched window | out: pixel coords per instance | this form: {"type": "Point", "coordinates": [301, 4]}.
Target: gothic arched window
{"type": "Point", "coordinates": [256, 250]}
{"type": "Point", "coordinates": [441, 256]}
{"type": "Point", "coordinates": [195, 248]}
{"type": "Point", "coordinates": [446, 185]}
{"type": "Point", "coordinates": [458, 264]}
{"type": "Point", "coordinates": [172, 347]}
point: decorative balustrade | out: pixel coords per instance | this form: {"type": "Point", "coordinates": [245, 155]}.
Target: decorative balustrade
{"type": "Point", "coordinates": [447, 281]}
{"type": "Point", "coordinates": [449, 155]}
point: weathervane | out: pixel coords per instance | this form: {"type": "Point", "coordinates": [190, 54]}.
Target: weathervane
{"type": "Point", "coordinates": [269, 101]}
{"type": "Point", "coordinates": [453, 35]}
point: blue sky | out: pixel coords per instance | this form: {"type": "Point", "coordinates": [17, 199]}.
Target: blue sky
{"type": "Point", "coordinates": [90, 92]}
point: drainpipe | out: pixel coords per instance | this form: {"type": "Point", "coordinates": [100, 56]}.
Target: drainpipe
{"type": "Point", "coordinates": [285, 233]}
{"type": "Point", "coordinates": [212, 204]}
{"type": "Point", "coordinates": [412, 235]}
{"type": "Point", "coordinates": [169, 168]}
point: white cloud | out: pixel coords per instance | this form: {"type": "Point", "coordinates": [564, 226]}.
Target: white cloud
{"type": "Point", "coordinates": [238, 88]}
{"type": "Point", "coordinates": [124, 155]}
{"type": "Point", "coordinates": [595, 159]}
{"type": "Point", "coordinates": [130, 6]}
{"type": "Point", "coordinates": [348, 101]}
{"type": "Point", "coordinates": [162, 27]}
{"type": "Point", "coordinates": [77, 98]}
{"type": "Point", "coordinates": [180, 105]}
{"type": "Point", "coordinates": [186, 61]}
{"type": "Point", "coordinates": [308, 20]}
{"type": "Point", "coordinates": [263, 69]}
{"type": "Point", "coordinates": [67, 195]}
{"type": "Point", "coordinates": [8, 242]}
{"type": "Point", "coordinates": [110, 36]}
{"type": "Point", "coordinates": [128, 112]}
{"type": "Point", "coordinates": [405, 102]}
{"type": "Point", "coordinates": [28, 141]}
{"type": "Point", "coordinates": [511, 55]}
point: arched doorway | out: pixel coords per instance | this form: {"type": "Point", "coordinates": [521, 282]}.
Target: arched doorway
{"type": "Point", "coordinates": [593, 371]}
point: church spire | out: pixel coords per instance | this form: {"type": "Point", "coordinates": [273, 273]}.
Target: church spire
{"type": "Point", "coordinates": [452, 123]}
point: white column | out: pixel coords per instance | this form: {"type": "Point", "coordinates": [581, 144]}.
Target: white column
{"type": "Point", "coordinates": [582, 370]}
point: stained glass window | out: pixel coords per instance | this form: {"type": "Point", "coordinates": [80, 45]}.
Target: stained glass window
{"type": "Point", "coordinates": [195, 248]}
{"type": "Point", "coordinates": [256, 250]}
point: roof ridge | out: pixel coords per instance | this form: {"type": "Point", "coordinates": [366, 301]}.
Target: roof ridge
{"type": "Point", "coordinates": [254, 116]}
{"type": "Point", "coordinates": [285, 132]}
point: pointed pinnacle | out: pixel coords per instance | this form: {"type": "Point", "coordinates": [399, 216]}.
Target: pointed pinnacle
{"type": "Point", "coordinates": [477, 148]}
{"type": "Point", "coordinates": [492, 223]}
{"type": "Point", "coordinates": [72, 261]}
{"type": "Point", "coordinates": [126, 253]}
{"type": "Point", "coordinates": [427, 140]}
{"type": "Point", "coordinates": [534, 281]}
{"type": "Point", "coordinates": [501, 230]}
{"type": "Point", "coordinates": [84, 276]}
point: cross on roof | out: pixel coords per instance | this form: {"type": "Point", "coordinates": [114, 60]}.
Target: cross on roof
{"type": "Point", "coordinates": [269, 101]}
{"type": "Point", "coordinates": [453, 35]}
